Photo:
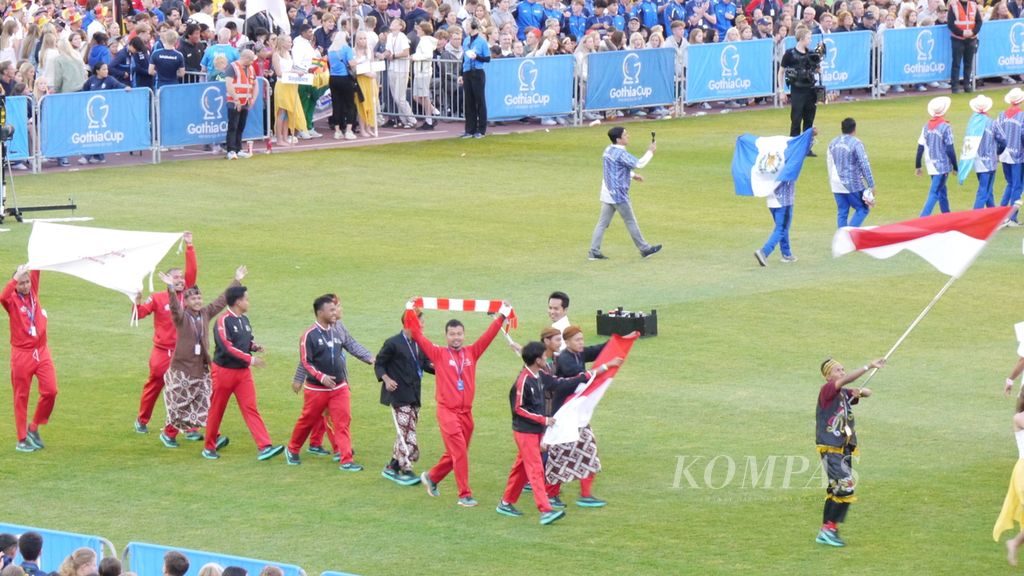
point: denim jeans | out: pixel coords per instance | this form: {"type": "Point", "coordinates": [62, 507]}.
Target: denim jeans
{"type": "Point", "coordinates": [1012, 172]}
{"type": "Point", "coordinates": [985, 198]}
{"type": "Point", "coordinates": [846, 202]}
{"type": "Point", "coordinates": [937, 193]}
{"type": "Point", "coordinates": [783, 218]}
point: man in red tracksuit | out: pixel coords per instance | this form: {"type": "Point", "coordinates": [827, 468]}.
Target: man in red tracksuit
{"type": "Point", "coordinates": [164, 336]}
{"type": "Point", "coordinates": [30, 356]}
{"type": "Point", "coordinates": [455, 376]}
{"type": "Point", "coordinates": [233, 377]}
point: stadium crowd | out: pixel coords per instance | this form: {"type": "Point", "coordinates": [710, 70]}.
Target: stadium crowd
{"type": "Point", "coordinates": [60, 46]}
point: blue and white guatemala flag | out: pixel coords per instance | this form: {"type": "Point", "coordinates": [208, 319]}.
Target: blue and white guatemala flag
{"type": "Point", "coordinates": [972, 140]}
{"type": "Point", "coordinates": [759, 163]}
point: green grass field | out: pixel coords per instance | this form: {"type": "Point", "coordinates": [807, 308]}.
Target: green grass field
{"type": "Point", "coordinates": [733, 373]}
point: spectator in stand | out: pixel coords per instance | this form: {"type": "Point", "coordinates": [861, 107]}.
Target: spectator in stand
{"type": "Point", "coordinates": [223, 46]}
{"type": "Point", "coordinates": [219, 70]}
{"type": "Point", "coordinates": [531, 14]}
{"type": "Point", "coordinates": [69, 75]}
{"type": "Point", "coordinates": [211, 569]}
{"type": "Point", "coordinates": [47, 54]}
{"type": "Point", "coordinates": [175, 563]}
{"type": "Point", "coordinates": [287, 107]}
{"type": "Point", "coordinates": [845, 22]}
{"type": "Point", "coordinates": [725, 14]}
{"type": "Point", "coordinates": [98, 50]}
{"type": "Point", "coordinates": [366, 79]}
{"type": "Point", "coordinates": [396, 52]}
{"type": "Point", "coordinates": [504, 45]}
{"type": "Point", "coordinates": [192, 48]}
{"type": "Point", "coordinates": [30, 545]}
{"type": "Point", "coordinates": [204, 15]}
{"type": "Point", "coordinates": [100, 80]}
{"type": "Point", "coordinates": [324, 35]}
{"type": "Point", "coordinates": [81, 562]}
{"type": "Point", "coordinates": [342, 61]}
{"type": "Point", "coordinates": [7, 73]}
{"type": "Point", "coordinates": [501, 15]}
{"type": "Point", "coordinates": [138, 64]}
{"type": "Point", "coordinates": [167, 65]}
{"type": "Point", "coordinates": [423, 72]}
{"type": "Point", "coordinates": [271, 571]}
{"type": "Point", "coordinates": [110, 567]}
{"type": "Point", "coordinates": [9, 549]}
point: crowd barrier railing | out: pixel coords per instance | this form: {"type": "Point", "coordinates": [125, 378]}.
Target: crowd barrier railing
{"type": "Point", "coordinates": [59, 545]}
{"type": "Point", "coordinates": [197, 113]}
{"type": "Point", "coordinates": [446, 95]}
{"type": "Point", "coordinates": [148, 559]}
{"type": "Point", "coordinates": [337, 574]}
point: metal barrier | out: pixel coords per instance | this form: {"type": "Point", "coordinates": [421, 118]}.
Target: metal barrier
{"type": "Point", "coordinates": [446, 93]}
{"type": "Point", "coordinates": [148, 560]}
{"type": "Point", "coordinates": [59, 545]}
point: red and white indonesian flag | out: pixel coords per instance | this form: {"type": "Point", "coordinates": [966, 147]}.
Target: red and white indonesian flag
{"type": "Point", "coordinates": [578, 409]}
{"type": "Point", "coordinates": [950, 241]}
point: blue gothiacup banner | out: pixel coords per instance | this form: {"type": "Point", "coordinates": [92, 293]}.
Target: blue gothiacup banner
{"type": "Point", "coordinates": [518, 87]}
{"type": "Point", "coordinates": [916, 55]}
{"type": "Point", "coordinates": [95, 122]}
{"type": "Point", "coordinates": [630, 79]}
{"type": "Point", "coordinates": [1001, 48]}
{"type": "Point", "coordinates": [729, 70]}
{"type": "Point", "coordinates": [847, 61]}
{"type": "Point", "coordinates": [198, 114]}
{"type": "Point", "coordinates": [17, 117]}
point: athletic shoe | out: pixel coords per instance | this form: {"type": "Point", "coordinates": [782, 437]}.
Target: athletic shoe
{"type": "Point", "coordinates": [243, 154]}
{"type": "Point", "coordinates": [560, 120]}
{"type": "Point", "coordinates": [63, 163]}
{"type": "Point", "coordinates": [269, 452]}
{"type": "Point", "coordinates": [596, 256]}
{"type": "Point", "coordinates": [336, 457]}
{"type": "Point", "coordinates": [590, 502]}
{"type": "Point", "coordinates": [33, 437]}
{"type": "Point", "coordinates": [760, 257]}
{"type": "Point", "coordinates": [527, 487]}
{"type": "Point", "coordinates": [83, 160]}
{"type": "Point", "coordinates": [407, 478]}
{"type": "Point", "coordinates": [222, 441]}
{"type": "Point", "coordinates": [211, 454]}
{"type": "Point", "coordinates": [899, 89]}
{"type": "Point", "coordinates": [194, 436]}
{"type": "Point", "coordinates": [466, 135]}
{"type": "Point", "coordinates": [141, 428]}
{"type": "Point", "coordinates": [478, 135]}
{"type": "Point", "coordinates": [338, 135]}
{"type": "Point", "coordinates": [350, 135]}
{"type": "Point", "coordinates": [94, 161]}
{"type": "Point", "coordinates": [467, 502]}
{"type": "Point", "coordinates": [168, 441]}
{"type": "Point", "coordinates": [389, 473]}
{"type": "Point", "coordinates": [318, 451]}
{"type": "Point", "coordinates": [829, 538]}
{"type": "Point", "coordinates": [25, 446]}
{"type": "Point", "coordinates": [811, 154]}
{"type": "Point", "coordinates": [425, 126]}
{"type": "Point", "coordinates": [350, 467]}
{"type": "Point", "coordinates": [430, 485]}
{"type": "Point", "coordinates": [305, 136]}
{"type": "Point", "coordinates": [556, 503]}
{"type": "Point", "coordinates": [315, 134]}
{"type": "Point", "coordinates": [551, 517]}
{"type": "Point", "coordinates": [651, 251]}
{"type": "Point", "coordinates": [790, 258]}
{"type": "Point", "coordinates": [508, 510]}
{"type": "Point", "coordinates": [231, 156]}
{"type": "Point", "coordinates": [548, 122]}
{"type": "Point", "coordinates": [292, 458]}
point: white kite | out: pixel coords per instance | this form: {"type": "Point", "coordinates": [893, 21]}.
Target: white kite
{"type": "Point", "coordinates": [115, 259]}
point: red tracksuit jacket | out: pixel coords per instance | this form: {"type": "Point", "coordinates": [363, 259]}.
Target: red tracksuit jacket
{"type": "Point", "coordinates": [446, 363]}
{"type": "Point", "coordinates": [22, 311]}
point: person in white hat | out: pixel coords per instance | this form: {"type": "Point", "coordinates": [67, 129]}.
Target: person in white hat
{"type": "Point", "coordinates": [935, 146]}
{"type": "Point", "coordinates": [983, 141]}
{"type": "Point", "coordinates": [1009, 123]}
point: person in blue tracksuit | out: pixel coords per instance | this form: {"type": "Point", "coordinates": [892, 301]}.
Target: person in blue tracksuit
{"type": "Point", "coordinates": [935, 148]}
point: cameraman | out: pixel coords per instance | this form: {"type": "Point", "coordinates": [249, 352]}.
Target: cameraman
{"type": "Point", "coordinates": [800, 70]}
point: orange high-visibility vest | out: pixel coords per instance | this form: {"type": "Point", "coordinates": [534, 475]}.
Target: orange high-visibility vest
{"type": "Point", "coordinates": [965, 19]}
{"type": "Point", "coordinates": [243, 83]}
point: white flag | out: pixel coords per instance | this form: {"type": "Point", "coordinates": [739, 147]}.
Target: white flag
{"type": "Point", "coordinates": [276, 8]}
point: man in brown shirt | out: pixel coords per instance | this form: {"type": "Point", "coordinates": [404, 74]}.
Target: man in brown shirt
{"type": "Point", "coordinates": [187, 385]}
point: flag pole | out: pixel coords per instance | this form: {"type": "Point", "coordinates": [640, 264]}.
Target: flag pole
{"type": "Point", "coordinates": [913, 325]}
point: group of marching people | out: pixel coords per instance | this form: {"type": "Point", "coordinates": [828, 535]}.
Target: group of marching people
{"type": "Point", "coordinates": [197, 374]}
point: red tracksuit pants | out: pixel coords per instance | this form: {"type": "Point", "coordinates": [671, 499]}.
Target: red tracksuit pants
{"type": "Point", "coordinates": [586, 487]}
{"type": "Point", "coordinates": [456, 432]}
{"type": "Point", "coordinates": [237, 382]}
{"type": "Point", "coordinates": [338, 405]}
{"type": "Point", "coordinates": [24, 365]}
{"type": "Point", "coordinates": [317, 433]}
{"type": "Point", "coordinates": [528, 467]}
{"type": "Point", "coordinates": [159, 362]}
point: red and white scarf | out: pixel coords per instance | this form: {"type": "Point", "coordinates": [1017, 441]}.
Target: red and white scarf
{"type": "Point", "coordinates": [461, 305]}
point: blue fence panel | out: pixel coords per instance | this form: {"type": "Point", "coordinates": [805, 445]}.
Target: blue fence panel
{"type": "Point", "coordinates": [916, 55]}
{"type": "Point", "coordinates": [1001, 48]}
{"type": "Point", "coordinates": [148, 560]}
{"type": "Point", "coordinates": [198, 114]}
{"type": "Point", "coordinates": [58, 545]}
{"type": "Point", "coordinates": [17, 116]}
{"type": "Point", "coordinates": [729, 70]}
{"type": "Point", "coordinates": [255, 127]}
{"type": "Point", "coordinates": [518, 87]}
{"type": "Point", "coordinates": [847, 61]}
{"type": "Point", "coordinates": [349, 573]}
{"type": "Point", "coordinates": [630, 79]}
{"type": "Point", "coordinates": [100, 122]}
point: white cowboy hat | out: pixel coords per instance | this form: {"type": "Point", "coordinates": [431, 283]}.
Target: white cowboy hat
{"type": "Point", "coordinates": [981, 103]}
{"type": "Point", "coordinates": [1014, 96]}
{"type": "Point", "coordinates": [938, 106]}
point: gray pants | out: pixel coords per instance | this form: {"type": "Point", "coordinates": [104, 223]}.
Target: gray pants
{"type": "Point", "coordinates": [625, 210]}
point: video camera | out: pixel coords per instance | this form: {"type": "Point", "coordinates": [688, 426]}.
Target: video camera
{"type": "Point", "coordinates": [6, 130]}
{"type": "Point", "coordinates": [806, 73]}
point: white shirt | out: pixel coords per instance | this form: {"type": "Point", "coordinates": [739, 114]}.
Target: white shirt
{"type": "Point", "coordinates": [396, 43]}
{"type": "Point", "coordinates": [202, 18]}
{"type": "Point", "coordinates": [303, 53]}
{"type": "Point", "coordinates": [562, 323]}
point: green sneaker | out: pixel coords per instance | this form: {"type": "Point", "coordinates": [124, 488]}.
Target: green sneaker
{"type": "Point", "coordinates": [556, 503]}
{"type": "Point", "coordinates": [829, 538]}
{"type": "Point", "coordinates": [33, 437]}
{"type": "Point", "coordinates": [269, 452]}
{"type": "Point", "coordinates": [222, 441]}
{"type": "Point", "coordinates": [389, 473]}
{"type": "Point", "coordinates": [25, 446]}
{"type": "Point", "coordinates": [350, 467]}
{"type": "Point", "coordinates": [210, 454]}
{"type": "Point", "coordinates": [506, 509]}
{"type": "Point", "coordinates": [194, 436]}
{"type": "Point", "coordinates": [467, 502]}
{"type": "Point", "coordinates": [336, 456]}
{"type": "Point", "coordinates": [551, 517]}
{"type": "Point", "coordinates": [430, 485]}
{"type": "Point", "coordinates": [407, 478]}
{"type": "Point", "coordinates": [141, 428]}
{"type": "Point", "coordinates": [527, 487]}
{"type": "Point", "coordinates": [590, 502]}
{"type": "Point", "coordinates": [318, 451]}
{"type": "Point", "coordinates": [292, 458]}
{"type": "Point", "coordinates": [168, 441]}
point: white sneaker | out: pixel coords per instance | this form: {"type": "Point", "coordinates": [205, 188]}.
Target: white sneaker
{"type": "Point", "coordinates": [315, 134]}
{"type": "Point", "coordinates": [83, 160]}
{"type": "Point", "coordinates": [293, 140]}
{"type": "Point", "coordinates": [244, 154]}
{"type": "Point", "coordinates": [232, 156]}
{"type": "Point", "coordinates": [338, 135]}
{"type": "Point", "coordinates": [560, 121]}
{"type": "Point", "coordinates": [705, 105]}
{"type": "Point", "coordinates": [548, 122]}
{"type": "Point", "coordinates": [350, 135]}
{"type": "Point", "coordinates": [305, 135]}
{"type": "Point", "coordinates": [899, 89]}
